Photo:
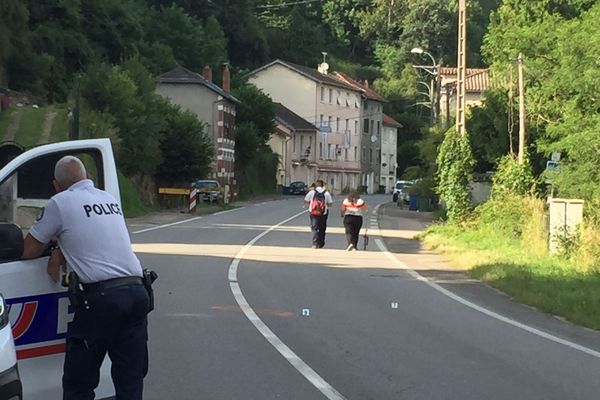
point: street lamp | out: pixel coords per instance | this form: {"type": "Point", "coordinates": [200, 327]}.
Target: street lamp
{"type": "Point", "coordinates": [433, 70]}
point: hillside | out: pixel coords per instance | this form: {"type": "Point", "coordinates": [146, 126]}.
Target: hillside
{"type": "Point", "coordinates": [29, 126]}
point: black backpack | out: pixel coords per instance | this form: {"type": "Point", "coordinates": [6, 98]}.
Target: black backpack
{"type": "Point", "coordinates": [317, 204]}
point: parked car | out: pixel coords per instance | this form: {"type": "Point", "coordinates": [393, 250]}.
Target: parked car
{"type": "Point", "coordinates": [298, 188]}
{"type": "Point", "coordinates": [10, 382]}
{"type": "Point", "coordinates": [209, 191]}
{"type": "Point", "coordinates": [401, 191]}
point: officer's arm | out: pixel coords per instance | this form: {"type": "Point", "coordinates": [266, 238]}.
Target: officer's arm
{"type": "Point", "coordinates": [32, 248]}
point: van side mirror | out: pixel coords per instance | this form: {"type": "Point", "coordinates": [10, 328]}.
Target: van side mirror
{"type": "Point", "coordinates": [11, 242]}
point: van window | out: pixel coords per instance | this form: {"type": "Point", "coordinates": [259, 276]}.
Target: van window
{"type": "Point", "coordinates": [25, 192]}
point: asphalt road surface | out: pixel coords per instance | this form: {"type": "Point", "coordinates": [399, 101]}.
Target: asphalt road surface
{"type": "Point", "coordinates": [245, 309]}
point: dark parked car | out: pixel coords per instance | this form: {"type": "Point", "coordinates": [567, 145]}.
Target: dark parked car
{"type": "Point", "coordinates": [298, 188]}
{"type": "Point", "coordinates": [209, 191]}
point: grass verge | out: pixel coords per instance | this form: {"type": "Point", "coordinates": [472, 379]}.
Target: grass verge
{"type": "Point", "coordinates": [132, 205]}
{"type": "Point", "coordinates": [551, 284]}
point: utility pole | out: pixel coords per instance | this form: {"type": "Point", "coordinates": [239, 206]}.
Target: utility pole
{"type": "Point", "coordinates": [461, 67]}
{"type": "Point", "coordinates": [521, 156]}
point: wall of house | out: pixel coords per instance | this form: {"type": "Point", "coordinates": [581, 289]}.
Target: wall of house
{"type": "Point", "coordinates": [288, 88]}
{"type": "Point", "coordinates": [389, 157]}
{"type": "Point", "coordinates": [371, 125]}
{"type": "Point", "coordinates": [337, 152]}
{"type": "Point", "coordinates": [217, 114]}
{"type": "Point", "coordinates": [196, 98]}
{"type": "Point", "coordinates": [278, 143]}
{"type": "Point", "coordinates": [472, 99]}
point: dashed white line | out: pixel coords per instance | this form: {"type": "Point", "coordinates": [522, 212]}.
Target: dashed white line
{"type": "Point", "coordinates": [154, 228]}
{"type": "Point", "coordinates": [315, 379]}
{"type": "Point", "coordinates": [483, 310]}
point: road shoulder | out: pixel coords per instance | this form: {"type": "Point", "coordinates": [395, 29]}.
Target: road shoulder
{"type": "Point", "coordinates": [399, 227]}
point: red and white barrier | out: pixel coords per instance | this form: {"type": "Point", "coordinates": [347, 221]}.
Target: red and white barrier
{"type": "Point", "coordinates": [193, 199]}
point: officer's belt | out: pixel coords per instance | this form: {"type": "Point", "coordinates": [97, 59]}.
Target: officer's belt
{"type": "Point", "coordinates": [112, 283]}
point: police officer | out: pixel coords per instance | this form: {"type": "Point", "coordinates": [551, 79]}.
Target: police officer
{"type": "Point", "coordinates": [111, 316]}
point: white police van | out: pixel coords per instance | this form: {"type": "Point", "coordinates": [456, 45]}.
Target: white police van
{"type": "Point", "coordinates": [38, 308]}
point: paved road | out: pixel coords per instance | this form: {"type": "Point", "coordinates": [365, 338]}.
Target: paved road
{"type": "Point", "coordinates": [374, 330]}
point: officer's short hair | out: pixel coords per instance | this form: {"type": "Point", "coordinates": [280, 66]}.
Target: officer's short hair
{"type": "Point", "coordinates": [69, 170]}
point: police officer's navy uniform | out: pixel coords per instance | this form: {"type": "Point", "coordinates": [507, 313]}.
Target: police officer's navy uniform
{"type": "Point", "coordinates": [90, 229]}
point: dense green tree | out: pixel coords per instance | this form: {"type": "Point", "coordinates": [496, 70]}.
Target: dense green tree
{"type": "Point", "coordinates": [256, 108]}
{"type": "Point", "coordinates": [186, 148]}
{"type": "Point", "coordinates": [192, 43]}
{"type": "Point", "coordinates": [492, 129]}
{"type": "Point", "coordinates": [113, 28]}
{"type": "Point", "coordinates": [561, 45]}
{"type": "Point", "coordinates": [13, 25]}
{"type": "Point", "coordinates": [255, 162]}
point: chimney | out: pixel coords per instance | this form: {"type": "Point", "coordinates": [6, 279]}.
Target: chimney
{"type": "Point", "coordinates": [366, 83]}
{"type": "Point", "coordinates": [226, 79]}
{"type": "Point", "coordinates": [207, 73]}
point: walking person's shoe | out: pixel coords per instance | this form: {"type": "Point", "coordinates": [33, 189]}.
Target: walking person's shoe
{"type": "Point", "coordinates": [350, 247]}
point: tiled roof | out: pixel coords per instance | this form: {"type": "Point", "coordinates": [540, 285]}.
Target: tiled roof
{"type": "Point", "coordinates": [180, 75]}
{"type": "Point", "coordinates": [367, 92]}
{"type": "Point", "coordinates": [389, 121]}
{"type": "Point", "coordinates": [477, 79]}
{"type": "Point", "coordinates": [291, 119]}
{"type": "Point", "coordinates": [308, 72]}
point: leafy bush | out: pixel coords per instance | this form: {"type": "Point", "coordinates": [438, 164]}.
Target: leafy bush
{"type": "Point", "coordinates": [455, 164]}
{"type": "Point", "coordinates": [423, 188]}
{"type": "Point", "coordinates": [512, 177]}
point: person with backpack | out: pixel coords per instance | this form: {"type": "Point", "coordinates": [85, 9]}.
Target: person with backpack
{"type": "Point", "coordinates": [318, 200]}
{"type": "Point", "coordinates": [352, 210]}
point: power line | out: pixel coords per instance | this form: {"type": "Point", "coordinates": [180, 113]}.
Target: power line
{"type": "Point", "coordinates": [267, 6]}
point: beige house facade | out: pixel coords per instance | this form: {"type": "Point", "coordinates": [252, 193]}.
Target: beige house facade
{"type": "Point", "coordinates": [476, 83]}
{"type": "Point", "coordinates": [212, 105]}
{"type": "Point", "coordinates": [330, 105]}
{"type": "Point", "coordinates": [371, 122]}
{"type": "Point", "coordinates": [294, 141]}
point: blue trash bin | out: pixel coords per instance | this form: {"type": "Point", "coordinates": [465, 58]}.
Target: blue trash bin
{"type": "Point", "coordinates": [413, 203]}
{"type": "Point", "coordinates": [286, 190]}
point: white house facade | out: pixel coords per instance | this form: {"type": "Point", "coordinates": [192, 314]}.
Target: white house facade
{"type": "Point", "coordinates": [389, 153]}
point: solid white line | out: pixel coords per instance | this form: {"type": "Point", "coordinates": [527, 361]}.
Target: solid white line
{"type": "Point", "coordinates": [166, 225]}
{"type": "Point", "coordinates": [483, 310]}
{"type": "Point", "coordinates": [154, 228]}
{"type": "Point", "coordinates": [306, 371]}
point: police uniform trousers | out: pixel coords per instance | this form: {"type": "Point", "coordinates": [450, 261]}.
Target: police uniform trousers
{"type": "Point", "coordinates": [115, 324]}
{"type": "Point", "coordinates": [318, 226]}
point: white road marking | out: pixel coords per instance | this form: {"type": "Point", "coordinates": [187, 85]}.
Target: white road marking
{"type": "Point", "coordinates": [483, 310]}
{"type": "Point", "coordinates": [315, 379]}
{"type": "Point", "coordinates": [154, 228]}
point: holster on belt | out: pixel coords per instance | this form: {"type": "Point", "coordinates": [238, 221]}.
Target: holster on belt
{"type": "Point", "coordinates": [149, 277]}
{"type": "Point", "coordinates": [77, 295]}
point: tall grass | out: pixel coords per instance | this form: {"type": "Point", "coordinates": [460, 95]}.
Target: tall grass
{"type": "Point", "coordinates": [506, 245]}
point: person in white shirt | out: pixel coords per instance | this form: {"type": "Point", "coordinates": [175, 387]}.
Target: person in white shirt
{"type": "Point", "coordinates": [318, 199]}
{"type": "Point", "coordinates": [352, 210]}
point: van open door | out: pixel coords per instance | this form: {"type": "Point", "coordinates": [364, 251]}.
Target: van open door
{"type": "Point", "coordinates": [39, 309]}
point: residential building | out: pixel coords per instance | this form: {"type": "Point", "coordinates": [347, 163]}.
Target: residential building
{"type": "Point", "coordinates": [389, 151]}
{"type": "Point", "coordinates": [213, 105]}
{"type": "Point", "coordinates": [477, 81]}
{"type": "Point", "coordinates": [294, 141]}
{"type": "Point", "coordinates": [333, 106]}
{"type": "Point", "coordinates": [371, 125]}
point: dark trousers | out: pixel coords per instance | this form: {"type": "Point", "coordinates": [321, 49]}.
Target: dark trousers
{"type": "Point", "coordinates": [352, 223]}
{"type": "Point", "coordinates": [115, 324]}
{"type": "Point", "coordinates": [318, 226]}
